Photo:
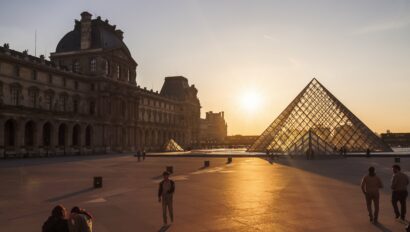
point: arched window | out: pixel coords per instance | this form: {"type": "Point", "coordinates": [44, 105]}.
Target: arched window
{"type": "Point", "coordinates": [88, 136]}
{"type": "Point", "coordinates": [62, 130]}
{"type": "Point", "coordinates": [29, 134]}
{"type": "Point", "coordinates": [47, 134]}
{"type": "Point", "coordinates": [10, 133]}
{"type": "Point", "coordinates": [76, 135]}
{"type": "Point", "coordinates": [76, 66]}
{"type": "Point", "coordinates": [106, 67]}
{"type": "Point", "coordinates": [118, 72]}
{"type": "Point", "coordinates": [93, 65]}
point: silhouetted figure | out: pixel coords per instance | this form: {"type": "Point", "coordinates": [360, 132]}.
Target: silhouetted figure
{"type": "Point", "coordinates": [139, 155]}
{"type": "Point", "coordinates": [399, 184]}
{"type": "Point", "coordinates": [370, 187]}
{"type": "Point", "coordinates": [57, 222]}
{"type": "Point", "coordinates": [367, 152]}
{"type": "Point", "coordinates": [80, 220]}
{"type": "Point", "coordinates": [143, 154]}
{"type": "Point", "coordinates": [165, 194]}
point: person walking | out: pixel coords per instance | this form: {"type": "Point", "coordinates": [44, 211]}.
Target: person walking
{"type": "Point", "coordinates": [143, 154]}
{"type": "Point", "coordinates": [370, 187]}
{"type": "Point", "coordinates": [80, 221]}
{"type": "Point", "coordinates": [57, 222]}
{"type": "Point", "coordinates": [399, 184]}
{"type": "Point", "coordinates": [165, 194]}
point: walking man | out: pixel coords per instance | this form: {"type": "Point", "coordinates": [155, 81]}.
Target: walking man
{"type": "Point", "coordinates": [399, 184]}
{"type": "Point", "coordinates": [165, 193]}
{"type": "Point", "coordinates": [370, 188]}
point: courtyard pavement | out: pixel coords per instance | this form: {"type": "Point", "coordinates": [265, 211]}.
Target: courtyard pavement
{"type": "Point", "coordinates": [251, 194]}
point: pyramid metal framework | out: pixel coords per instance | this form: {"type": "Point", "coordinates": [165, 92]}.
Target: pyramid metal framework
{"type": "Point", "coordinates": [311, 142]}
{"type": "Point", "coordinates": [316, 110]}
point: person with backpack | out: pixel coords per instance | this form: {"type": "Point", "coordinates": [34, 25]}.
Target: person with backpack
{"type": "Point", "coordinates": [370, 187]}
{"type": "Point", "coordinates": [80, 220]}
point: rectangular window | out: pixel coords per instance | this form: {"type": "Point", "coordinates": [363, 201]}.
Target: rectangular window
{"type": "Point", "coordinates": [15, 96]}
{"type": "Point", "coordinates": [92, 107]}
{"type": "Point", "coordinates": [76, 85]}
{"type": "Point", "coordinates": [16, 70]}
{"type": "Point", "coordinates": [33, 96]}
{"type": "Point", "coordinates": [64, 82]}
{"type": "Point", "coordinates": [75, 105]}
{"type": "Point", "coordinates": [49, 101]}
{"type": "Point", "coordinates": [1, 89]}
{"type": "Point", "coordinates": [50, 78]}
{"type": "Point", "coordinates": [34, 75]}
{"type": "Point", "coordinates": [63, 102]}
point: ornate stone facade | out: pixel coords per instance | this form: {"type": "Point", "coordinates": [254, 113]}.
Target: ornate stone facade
{"type": "Point", "coordinates": [86, 99]}
{"type": "Point", "coordinates": [213, 129]}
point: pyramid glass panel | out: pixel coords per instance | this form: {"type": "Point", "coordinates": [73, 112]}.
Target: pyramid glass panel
{"type": "Point", "coordinates": [316, 113]}
{"type": "Point", "coordinates": [172, 146]}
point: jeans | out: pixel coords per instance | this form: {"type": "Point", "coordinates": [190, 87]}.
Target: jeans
{"type": "Point", "coordinates": [399, 196]}
{"type": "Point", "coordinates": [167, 203]}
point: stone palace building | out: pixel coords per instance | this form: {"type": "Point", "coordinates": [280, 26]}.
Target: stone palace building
{"type": "Point", "coordinates": [85, 99]}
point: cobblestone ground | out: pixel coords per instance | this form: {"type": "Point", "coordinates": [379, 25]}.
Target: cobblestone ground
{"type": "Point", "coordinates": [251, 194]}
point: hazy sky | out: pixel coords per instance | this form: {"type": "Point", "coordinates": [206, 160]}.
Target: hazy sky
{"type": "Point", "coordinates": [360, 50]}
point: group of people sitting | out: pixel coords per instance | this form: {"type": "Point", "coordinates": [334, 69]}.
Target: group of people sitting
{"type": "Point", "coordinates": [79, 220]}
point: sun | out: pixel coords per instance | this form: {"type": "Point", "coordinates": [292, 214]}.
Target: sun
{"type": "Point", "coordinates": [251, 101]}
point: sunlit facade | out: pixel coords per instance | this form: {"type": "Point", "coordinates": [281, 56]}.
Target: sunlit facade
{"type": "Point", "coordinates": [85, 99]}
{"type": "Point", "coordinates": [317, 120]}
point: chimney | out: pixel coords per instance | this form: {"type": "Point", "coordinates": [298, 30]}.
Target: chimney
{"type": "Point", "coordinates": [85, 30]}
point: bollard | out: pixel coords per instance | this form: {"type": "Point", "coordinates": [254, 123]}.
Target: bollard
{"type": "Point", "coordinates": [170, 169]}
{"type": "Point", "coordinates": [206, 163]}
{"type": "Point", "coordinates": [397, 160]}
{"type": "Point", "coordinates": [97, 181]}
{"type": "Point", "coordinates": [229, 160]}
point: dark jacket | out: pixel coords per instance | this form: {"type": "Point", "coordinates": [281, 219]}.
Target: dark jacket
{"type": "Point", "coordinates": [171, 190]}
{"type": "Point", "coordinates": [54, 224]}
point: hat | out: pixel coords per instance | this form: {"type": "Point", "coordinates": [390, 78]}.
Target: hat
{"type": "Point", "coordinates": [165, 173]}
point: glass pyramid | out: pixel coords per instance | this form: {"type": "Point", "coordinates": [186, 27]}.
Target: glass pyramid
{"type": "Point", "coordinates": [316, 110]}
{"type": "Point", "coordinates": [172, 146]}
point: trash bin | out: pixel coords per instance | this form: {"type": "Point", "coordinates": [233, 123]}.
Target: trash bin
{"type": "Point", "coordinates": [97, 181]}
{"type": "Point", "coordinates": [206, 163]}
{"type": "Point", "coordinates": [170, 169]}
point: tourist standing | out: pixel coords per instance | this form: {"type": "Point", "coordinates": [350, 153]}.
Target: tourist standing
{"type": "Point", "coordinates": [143, 154]}
{"type": "Point", "coordinates": [80, 220]}
{"type": "Point", "coordinates": [57, 222]}
{"type": "Point", "coordinates": [139, 155]}
{"type": "Point", "coordinates": [399, 184]}
{"type": "Point", "coordinates": [370, 187]}
{"type": "Point", "coordinates": [165, 194]}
